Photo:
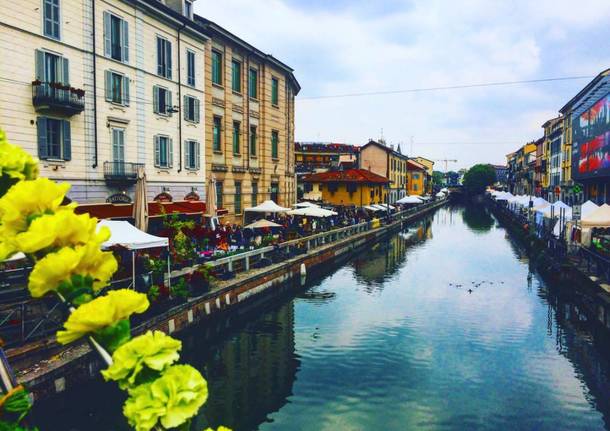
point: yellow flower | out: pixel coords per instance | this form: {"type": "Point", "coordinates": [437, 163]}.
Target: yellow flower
{"type": "Point", "coordinates": [64, 228]}
{"type": "Point", "coordinates": [102, 312]}
{"type": "Point", "coordinates": [85, 260]}
{"type": "Point", "coordinates": [16, 163]}
{"type": "Point", "coordinates": [28, 199]}
{"type": "Point", "coordinates": [172, 399]}
{"type": "Point", "coordinates": [220, 428]}
{"type": "Point", "coordinates": [154, 350]}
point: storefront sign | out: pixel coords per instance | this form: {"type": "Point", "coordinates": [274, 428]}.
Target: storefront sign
{"type": "Point", "coordinates": [163, 197]}
{"type": "Point", "coordinates": [576, 212]}
{"type": "Point", "coordinates": [118, 198]}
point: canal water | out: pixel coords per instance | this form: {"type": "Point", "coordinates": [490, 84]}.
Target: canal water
{"type": "Point", "coordinates": [441, 327]}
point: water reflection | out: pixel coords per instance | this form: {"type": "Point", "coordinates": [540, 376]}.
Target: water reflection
{"type": "Point", "coordinates": [477, 218]}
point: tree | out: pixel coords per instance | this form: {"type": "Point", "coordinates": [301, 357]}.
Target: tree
{"type": "Point", "coordinates": [438, 178]}
{"type": "Point", "coordinates": [478, 178]}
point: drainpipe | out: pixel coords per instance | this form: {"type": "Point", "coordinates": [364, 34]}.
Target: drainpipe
{"type": "Point", "coordinates": [180, 102]}
{"type": "Point", "coordinates": [95, 160]}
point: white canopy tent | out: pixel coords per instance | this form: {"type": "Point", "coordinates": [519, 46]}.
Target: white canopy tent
{"type": "Point", "coordinates": [556, 210]}
{"type": "Point", "coordinates": [440, 195]}
{"type": "Point", "coordinates": [597, 218]}
{"type": "Point", "coordinates": [268, 207]}
{"type": "Point", "coordinates": [306, 205]}
{"type": "Point", "coordinates": [384, 207]}
{"type": "Point", "coordinates": [587, 208]}
{"type": "Point", "coordinates": [262, 223]}
{"type": "Point", "coordinates": [409, 200]}
{"type": "Point", "coordinates": [371, 208]}
{"type": "Point", "coordinates": [312, 212]}
{"type": "Point", "coordinates": [126, 235]}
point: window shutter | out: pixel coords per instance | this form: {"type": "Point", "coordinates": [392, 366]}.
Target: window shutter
{"type": "Point", "coordinates": [197, 110]}
{"type": "Point", "coordinates": [107, 34]}
{"type": "Point", "coordinates": [108, 79]}
{"type": "Point", "coordinates": [41, 124]}
{"type": "Point", "coordinates": [65, 71]}
{"type": "Point", "coordinates": [159, 56]}
{"type": "Point", "coordinates": [157, 152]}
{"type": "Point", "coordinates": [66, 140]}
{"type": "Point", "coordinates": [156, 99]}
{"type": "Point", "coordinates": [187, 148]}
{"type": "Point", "coordinates": [170, 152]}
{"type": "Point", "coordinates": [125, 91]}
{"type": "Point", "coordinates": [125, 41]}
{"type": "Point", "coordinates": [197, 155]}
{"type": "Point", "coordinates": [168, 54]}
{"type": "Point", "coordinates": [185, 109]}
{"type": "Point", "coordinates": [168, 102]}
{"type": "Point", "coordinates": [40, 75]}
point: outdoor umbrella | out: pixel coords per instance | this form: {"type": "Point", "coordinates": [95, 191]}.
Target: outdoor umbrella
{"type": "Point", "coordinates": [409, 200]}
{"type": "Point", "coordinates": [306, 205]}
{"type": "Point", "coordinates": [140, 207]}
{"type": "Point", "coordinates": [268, 207]}
{"type": "Point", "coordinates": [312, 212]}
{"type": "Point", "coordinates": [210, 197]}
{"type": "Point", "coordinates": [262, 223]}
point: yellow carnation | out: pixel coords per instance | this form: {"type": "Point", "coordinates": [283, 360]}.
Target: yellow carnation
{"type": "Point", "coordinates": [16, 163]}
{"type": "Point", "coordinates": [64, 228]}
{"type": "Point", "coordinates": [85, 260]}
{"type": "Point", "coordinates": [28, 199]}
{"type": "Point", "coordinates": [102, 312]}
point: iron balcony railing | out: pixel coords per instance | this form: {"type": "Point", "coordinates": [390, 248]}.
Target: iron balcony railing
{"type": "Point", "coordinates": [56, 97]}
{"type": "Point", "coordinates": [121, 171]}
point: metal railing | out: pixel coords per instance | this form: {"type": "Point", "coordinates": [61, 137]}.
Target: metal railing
{"type": "Point", "coordinates": [121, 171]}
{"type": "Point", "coordinates": [55, 96]}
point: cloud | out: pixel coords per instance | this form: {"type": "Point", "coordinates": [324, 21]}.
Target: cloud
{"type": "Point", "coordinates": [357, 46]}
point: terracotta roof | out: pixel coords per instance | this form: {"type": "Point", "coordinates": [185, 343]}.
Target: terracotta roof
{"type": "Point", "coordinates": [413, 165]}
{"type": "Point", "coordinates": [347, 176]}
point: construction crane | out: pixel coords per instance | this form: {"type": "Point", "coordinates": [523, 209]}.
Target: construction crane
{"type": "Point", "coordinates": [446, 161]}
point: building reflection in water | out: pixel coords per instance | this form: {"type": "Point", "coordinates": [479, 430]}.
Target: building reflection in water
{"type": "Point", "coordinates": [250, 373]}
{"type": "Point", "coordinates": [477, 218]}
{"type": "Point", "coordinates": [384, 259]}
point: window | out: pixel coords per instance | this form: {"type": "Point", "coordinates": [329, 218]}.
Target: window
{"type": "Point", "coordinates": [117, 88]}
{"type": "Point", "coordinates": [237, 197]}
{"type": "Point", "coordinates": [116, 37]}
{"type": "Point", "coordinates": [118, 147]}
{"type": "Point", "coordinates": [216, 136]}
{"type": "Point", "coordinates": [162, 101]}
{"type": "Point", "coordinates": [274, 91]}
{"type": "Point", "coordinates": [190, 67]}
{"type": "Point", "coordinates": [164, 154]}
{"type": "Point", "coordinates": [415, 187]}
{"type": "Point", "coordinates": [188, 9]}
{"type": "Point", "coordinates": [236, 133]}
{"type": "Point", "coordinates": [52, 68]}
{"type": "Point", "coordinates": [53, 139]}
{"type": "Point", "coordinates": [218, 194]}
{"type": "Point", "coordinates": [236, 76]}
{"type": "Point", "coordinates": [216, 67]}
{"type": "Point", "coordinates": [51, 18]}
{"type": "Point", "coordinates": [253, 83]}
{"type": "Point", "coordinates": [416, 176]}
{"type": "Point", "coordinates": [275, 192]}
{"type": "Point", "coordinates": [192, 155]}
{"type": "Point", "coordinates": [274, 144]}
{"type": "Point", "coordinates": [253, 140]}
{"type": "Point", "coordinates": [254, 197]}
{"type": "Point", "coordinates": [191, 109]}
{"type": "Point", "coordinates": [164, 57]}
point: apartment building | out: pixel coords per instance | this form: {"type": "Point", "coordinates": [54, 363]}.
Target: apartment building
{"type": "Point", "coordinates": [97, 89]}
{"type": "Point", "coordinates": [387, 162]}
{"type": "Point", "coordinates": [249, 117]}
{"type": "Point", "coordinates": [553, 142]}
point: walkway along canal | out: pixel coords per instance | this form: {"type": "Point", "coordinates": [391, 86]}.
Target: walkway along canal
{"type": "Point", "coordinates": [48, 368]}
{"type": "Point", "coordinates": [442, 325]}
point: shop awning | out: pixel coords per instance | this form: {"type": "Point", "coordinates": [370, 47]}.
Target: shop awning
{"type": "Point", "coordinates": [598, 218]}
{"type": "Point", "coordinates": [127, 235]}
{"type": "Point", "coordinates": [155, 209]}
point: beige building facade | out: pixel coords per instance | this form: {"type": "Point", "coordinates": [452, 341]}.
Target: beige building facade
{"type": "Point", "coordinates": [383, 160]}
{"type": "Point", "coordinates": [99, 88]}
{"type": "Point", "coordinates": [249, 119]}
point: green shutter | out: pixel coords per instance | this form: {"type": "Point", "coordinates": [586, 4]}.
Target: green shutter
{"type": "Point", "coordinates": [185, 109]}
{"type": "Point", "coordinates": [187, 152]}
{"type": "Point", "coordinates": [155, 99]}
{"type": "Point", "coordinates": [197, 113]}
{"type": "Point", "coordinates": [197, 155]}
{"type": "Point", "coordinates": [157, 152]}
{"type": "Point", "coordinates": [66, 140]}
{"type": "Point", "coordinates": [40, 72]}
{"type": "Point", "coordinates": [124, 41]}
{"type": "Point", "coordinates": [168, 103]}
{"type": "Point", "coordinates": [168, 53]}
{"type": "Point", "coordinates": [108, 79]}
{"type": "Point", "coordinates": [43, 149]}
{"type": "Point", "coordinates": [107, 35]}
{"type": "Point", "coordinates": [125, 91]}
{"type": "Point", "coordinates": [170, 153]}
{"type": "Point", "coordinates": [65, 71]}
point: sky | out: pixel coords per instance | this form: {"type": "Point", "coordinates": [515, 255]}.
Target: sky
{"type": "Point", "coordinates": [341, 47]}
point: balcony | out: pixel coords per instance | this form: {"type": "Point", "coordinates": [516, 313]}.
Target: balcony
{"type": "Point", "coordinates": [53, 97]}
{"type": "Point", "coordinates": [121, 172]}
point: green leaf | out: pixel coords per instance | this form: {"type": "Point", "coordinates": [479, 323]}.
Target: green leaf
{"type": "Point", "coordinates": [112, 337]}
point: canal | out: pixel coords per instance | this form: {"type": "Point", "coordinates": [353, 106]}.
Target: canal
{"type": "Point", "coordinates": [442, 326]}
